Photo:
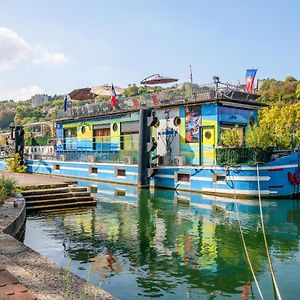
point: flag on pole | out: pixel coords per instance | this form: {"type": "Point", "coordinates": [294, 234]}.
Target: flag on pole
{"type": "Point", "coordinates": [65, 103]}
{"type": "Point", "coordinates": [113, 99]}
{"type": "Point", "coordinates": [250, 75]}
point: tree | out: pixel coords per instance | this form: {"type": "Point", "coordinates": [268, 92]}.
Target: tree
{"type": "Point", "coordinates": [6, 117]}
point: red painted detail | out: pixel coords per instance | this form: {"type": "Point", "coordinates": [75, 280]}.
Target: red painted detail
{"type": "Point", "coordinates": [275, 170]}
{"type": "Point", "coordinates": [275, 186]}
{"type": "Point", "coordinates": [293, 179]}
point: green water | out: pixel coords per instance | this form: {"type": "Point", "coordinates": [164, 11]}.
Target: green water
{"type": "Point", "coordinates": [147, 245]}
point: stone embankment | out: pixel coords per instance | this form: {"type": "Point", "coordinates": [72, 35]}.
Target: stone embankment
{"type": "Point", "coordinates": [41, 276]}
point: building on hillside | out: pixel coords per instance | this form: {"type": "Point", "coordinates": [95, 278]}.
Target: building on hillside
{"type": "Point", "coordinates": [39, 100]}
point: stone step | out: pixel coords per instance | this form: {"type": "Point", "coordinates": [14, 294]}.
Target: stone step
{"type": "Point", "coordinates": [61, 190]}
{"type": "Point", "coordinates": [58, 200]}
{"type": "Point", "coordinates": [61, 206]}
{"type": "Point", "coordinates": [45, 191]}
{"type": "Point", "coordinates": [57, 195]}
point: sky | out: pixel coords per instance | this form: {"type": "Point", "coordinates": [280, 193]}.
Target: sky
{"type": "Point", "coordinates": [55, 46]}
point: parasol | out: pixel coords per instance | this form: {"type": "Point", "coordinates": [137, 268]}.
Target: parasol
{"type": "Point", "coordinates": [158, 79]}
{"type": "Point", "coordinates": [105, 90]}
{"type": "Point", "coordinates": [82, 94]}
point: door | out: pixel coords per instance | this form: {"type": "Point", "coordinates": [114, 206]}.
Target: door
{"type": "Point", "coordinates": [208, 150]}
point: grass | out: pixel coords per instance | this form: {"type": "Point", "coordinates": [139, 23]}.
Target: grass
{"type": "Point", "coordinates": [7, 188]}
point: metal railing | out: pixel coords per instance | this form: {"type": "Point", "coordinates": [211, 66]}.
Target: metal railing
{"type": "Point", "coordinates": [149, 100]}
{"type": "Point", "coordinates": [116, 149]}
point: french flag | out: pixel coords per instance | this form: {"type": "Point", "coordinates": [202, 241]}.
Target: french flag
{"type": "Point", "coordinates": [113, 99]}
{"type": "Point", "coordinates": [250, 75]}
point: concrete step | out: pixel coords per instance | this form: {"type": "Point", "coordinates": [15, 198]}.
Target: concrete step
{"type": "Point", "coordinates": [45, 191]}
{"type": "Point", "coordinates": [54, 196]}
{"type": "Point", "coordinates": [58, 200]}
{"type": "Point", "coordinates": [61, 206]}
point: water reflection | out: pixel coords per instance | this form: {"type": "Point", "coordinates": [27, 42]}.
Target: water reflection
{"type": "Point", "coordinates": [139, 244]}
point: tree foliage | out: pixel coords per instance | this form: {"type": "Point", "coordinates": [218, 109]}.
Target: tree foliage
{"type": "Point", "coordinates": [279, 92]}
{"type": "Point", "coordinates": [6, 117]}
{"type": "Point", "coordinates": [231, 137]}
{"type": "Point", "coordinates": [278, 128]}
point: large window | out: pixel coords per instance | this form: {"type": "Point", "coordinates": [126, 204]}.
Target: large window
{"type": "Point", "coordinates": [101, 132]}
{"type": "Point", "coordinates": [240, 129]}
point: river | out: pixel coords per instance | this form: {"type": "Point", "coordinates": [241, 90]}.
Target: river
{"type": "Point", "coordinates": [141, 245]}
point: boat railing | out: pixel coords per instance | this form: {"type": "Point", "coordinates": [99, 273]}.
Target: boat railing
{"type": "Point", "coordinates": [247, 155]}
{"type": "Point", "coordinates": [103, 149]}
{"type": "Point", "coordinates": [151, 100]}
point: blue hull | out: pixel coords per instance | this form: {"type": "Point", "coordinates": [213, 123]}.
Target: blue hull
{"type": "Point", "coordinates": [239, 181]}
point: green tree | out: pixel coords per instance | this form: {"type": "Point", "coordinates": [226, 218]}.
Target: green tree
{"type": "Point", "coordinates": [6, 117]}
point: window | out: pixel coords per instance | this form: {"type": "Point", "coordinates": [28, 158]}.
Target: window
{"type": "Point", "coordinates": [219, 177]}
{"type": "Point", "coordinates": [120, 172]}
{"type": "Point", "coordinates": [101, 132]}
{"type": "Point", "coordinates": [70, 132]}
{"type": "Point", "coordinates": [183, 177]}
{"type": "Point", "coordinates": [120, 192]}
{"type": "Point", "coordinates": [56, 167]}
{"type": "Point", "coordinates": [93, 170]}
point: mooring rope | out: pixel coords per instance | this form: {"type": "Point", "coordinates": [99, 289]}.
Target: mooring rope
{"type": "Point", "coordinates": [246, 252]}
{"type": "Point", "coordinates": [265, 238]}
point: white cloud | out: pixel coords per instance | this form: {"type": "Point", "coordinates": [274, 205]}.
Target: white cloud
{"type": "Point", "coordinates": [22, 93]}
{"type": "Point", "coordinates": [46, 56]}
{"type": "Point", "coordinates": [14, 49]}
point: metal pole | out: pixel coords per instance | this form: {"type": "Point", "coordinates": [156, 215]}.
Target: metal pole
{"type": "Point", "coordinates": [143, 162]}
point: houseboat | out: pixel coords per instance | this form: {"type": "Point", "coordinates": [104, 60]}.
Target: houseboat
{"type": "Point", "coordinates": [103, 143]}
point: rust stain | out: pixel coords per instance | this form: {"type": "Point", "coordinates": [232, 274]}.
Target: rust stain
{"type": "Point", "coordinates": [12, 289]}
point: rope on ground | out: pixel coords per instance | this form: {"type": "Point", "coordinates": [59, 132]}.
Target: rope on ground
{"type": "Point", "coordinates": [265, 238]}
{"type": "Point", "coordinates": [246, 252]}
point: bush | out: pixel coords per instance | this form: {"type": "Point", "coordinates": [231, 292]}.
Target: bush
{"type": "Point", "coordinates": [231, 137]}
{"type": "Point", "coordinates": [14, 164]}
{"type": "Point", "coordinates": [7, 188]}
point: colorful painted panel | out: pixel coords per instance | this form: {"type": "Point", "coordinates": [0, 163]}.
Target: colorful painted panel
{"type": "Point", "coordinates": [192, 124]}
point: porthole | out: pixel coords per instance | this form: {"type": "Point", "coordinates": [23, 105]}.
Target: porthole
{"type": "Point", "coordinates": [83, 129]}
{"type": "Point", "coordinates": [177, 121]}
{"type": "Point", "coordinates": [115, 127]}
{"type": "Point", "coordinates": [207, 135]}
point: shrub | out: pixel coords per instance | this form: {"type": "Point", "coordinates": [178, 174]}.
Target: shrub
{"type": "Point", "coordinates": [7, 188]}
{"type": "Point", "coordinates": [14, 164]}
{"type": "Point", "coordinates": [231, 137]}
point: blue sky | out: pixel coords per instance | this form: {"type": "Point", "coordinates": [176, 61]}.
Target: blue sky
{"type": "Point", "coordinates": [56, 46]}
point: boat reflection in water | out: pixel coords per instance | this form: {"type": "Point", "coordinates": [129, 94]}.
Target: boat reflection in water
{"type": "Point", "coordinates": [139, 244]}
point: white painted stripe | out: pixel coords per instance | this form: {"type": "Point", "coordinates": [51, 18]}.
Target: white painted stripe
{"type": "Point", "coordinates": [183, 183]}
{"type": "Point", "coordinates": [84, 169]}
{"type": "Point", "coordinates": [214, 167]}
{"type": "Point", "coordinates": [131, 173]}
{"type": "Point", "coordinates": [164, 176]}
{"type": "Point", "coordinates": [84, 163]}
{"type": "Point", "coordinates": [241, 192]}
{"type": "Point", "coordinates": [201, 178]}
{"type": "Point", "coordinates": [248, 178]}
{"type": "Point", "coordinates": [106, 171]}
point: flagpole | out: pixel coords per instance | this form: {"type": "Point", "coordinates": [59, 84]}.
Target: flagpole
{"type": "Point", "coordinates": [191, 81]}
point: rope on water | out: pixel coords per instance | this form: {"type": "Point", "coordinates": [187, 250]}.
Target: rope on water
{"type": "Point", "coordinates": [246, 252]}
{"type": "Point", "coordinates": [265, 238]}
